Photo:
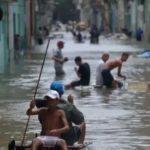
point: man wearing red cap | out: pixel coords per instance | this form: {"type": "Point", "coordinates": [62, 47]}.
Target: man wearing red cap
{"type": "Point", "coordinates": [59, 59]}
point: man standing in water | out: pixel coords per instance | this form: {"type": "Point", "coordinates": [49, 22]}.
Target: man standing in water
{"type": "Point", "coordinates": [59, 59]}
{"type": "Point", "coordinates": [108, 79]}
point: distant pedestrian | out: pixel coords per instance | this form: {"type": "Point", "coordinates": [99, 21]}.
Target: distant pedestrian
{"type": "Point", "coordinates": [83, 72]}
{"type": "Point", "coordinates": [40, 36]}
{"type": "Point", "coordinates": [100, 67]}
{"type": "Point", "coordinates": [94, 35]}
{"type": "Point", "coordinates": [79, 37]}
{"type": "Point", "coordinates": [46, 31]}
{"type": "Point", "coordinates": [59, 60]}
{"type": "Point", "coordinates": [139, 33]}
{"type": "Point", "coordinates": [74, 33]}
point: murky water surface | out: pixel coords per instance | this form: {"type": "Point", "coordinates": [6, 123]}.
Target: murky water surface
{"type": "Point", "coordinates": [116, 119]}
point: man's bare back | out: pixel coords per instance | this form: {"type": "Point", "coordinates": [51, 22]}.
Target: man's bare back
{"type": "Point", "coordinates": [108, 78]}
{"type": "Point", "coordinates": [113, 63]}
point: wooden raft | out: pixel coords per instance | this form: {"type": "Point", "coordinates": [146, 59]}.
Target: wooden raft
{"type": "Point", "coordinates": [13, 145]}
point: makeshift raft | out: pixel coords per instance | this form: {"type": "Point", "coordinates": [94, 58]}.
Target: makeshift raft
{"type": "Point", "coordinates": [137, 85]}
{"type": "Point", "coordinates": [13, 145]}
{"type": "Point", "coordinates": [142, 86]}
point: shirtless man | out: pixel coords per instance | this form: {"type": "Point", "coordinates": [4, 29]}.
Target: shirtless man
{"type": "Point", "coordinates": [53, 123]}
{"type": "Point", "coordinates": [110, 65]}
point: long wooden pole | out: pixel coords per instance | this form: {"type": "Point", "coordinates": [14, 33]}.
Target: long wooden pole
{"type": "Point", "coordinates": [26, 127]}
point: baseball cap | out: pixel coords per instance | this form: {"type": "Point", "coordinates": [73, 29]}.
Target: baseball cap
{"type": "Point", "coordinates": [52, 94]}
{"type": "Point", "coordinates": [60, 43]}
{"type": "Point", "coordinates": [57, 86]}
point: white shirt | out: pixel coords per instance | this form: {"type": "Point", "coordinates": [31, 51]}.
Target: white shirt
{"type": "Point", "coordinates": [99, 78]}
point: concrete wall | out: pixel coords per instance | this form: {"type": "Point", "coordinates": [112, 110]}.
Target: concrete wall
{"type": "Point", "coordinates": [22, 23]}
{"type": "Point", "coordinates": [2, 61]}
{"type": "Point", "coordinates": [120, 15]}
{"type": "Point", "coordinates": [3, 38]}
{"type": "Point", "coordinates": [133, 25]}
{"type": "Point", "coordinates": [28, 23]}
{"type": "Point", "coordinates": [11, 31]}
{"type": "Point", "coordinates": [19, 21]}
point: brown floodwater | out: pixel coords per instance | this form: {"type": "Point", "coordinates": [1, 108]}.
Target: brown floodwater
{"type": "Point", "coordinates": [116, 119]}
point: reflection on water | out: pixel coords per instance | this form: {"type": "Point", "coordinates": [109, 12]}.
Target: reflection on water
{"type": "Point", "coordinates": [116, 119]}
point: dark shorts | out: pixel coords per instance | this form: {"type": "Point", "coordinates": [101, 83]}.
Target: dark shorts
{"type": "Point", "coordinates": [78, 83]}
{"type": "Point", "coordinates": [74, 138]}
{"type": "Point", "coordinates": [75, 83]}
{"type": "Point", "coordinates": [107, 78]}
{"type": "Point", "coordinates": [77, 132]}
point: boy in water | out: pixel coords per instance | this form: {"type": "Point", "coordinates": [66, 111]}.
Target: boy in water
{"type": "Point", "coordinates": [110, 65]}
{"type": "Point", "coordinates": [53, 122]}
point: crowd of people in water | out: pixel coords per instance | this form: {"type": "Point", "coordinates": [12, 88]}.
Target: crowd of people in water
{"type": "Point", "coordinates": [103, 71]}
{"type": "Point", "coordinates": [62, 123]}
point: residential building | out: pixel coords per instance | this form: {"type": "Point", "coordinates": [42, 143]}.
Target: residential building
{"type": "Point", "coordinates": [19, 22]}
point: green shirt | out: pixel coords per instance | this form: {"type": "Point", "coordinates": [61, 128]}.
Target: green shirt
{"type": "Point", "coordinates": [73, 116]}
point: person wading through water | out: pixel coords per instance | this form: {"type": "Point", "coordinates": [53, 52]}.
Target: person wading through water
{"type": "Point", "coordinates": [59, 60]}
{"type": "Point", "coordinates": [111, 64]}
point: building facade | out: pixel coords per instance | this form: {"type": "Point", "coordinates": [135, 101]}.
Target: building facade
{"type": "Point", "coordinates": [4, 49]}
{"type": "Point", "coordinates": [116, 15]}
{"type": "Point", "coordinates": [19, 22]}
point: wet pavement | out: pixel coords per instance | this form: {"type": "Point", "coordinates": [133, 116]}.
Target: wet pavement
{"type": "Point", "coordinates": [116, 119]}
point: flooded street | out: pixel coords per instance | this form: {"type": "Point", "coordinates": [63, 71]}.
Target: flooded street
{"type": "Point", "coordinates": [116, 119]}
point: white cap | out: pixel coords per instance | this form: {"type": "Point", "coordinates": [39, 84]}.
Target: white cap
{"type": "Point", "coordinates": [52, 94]}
